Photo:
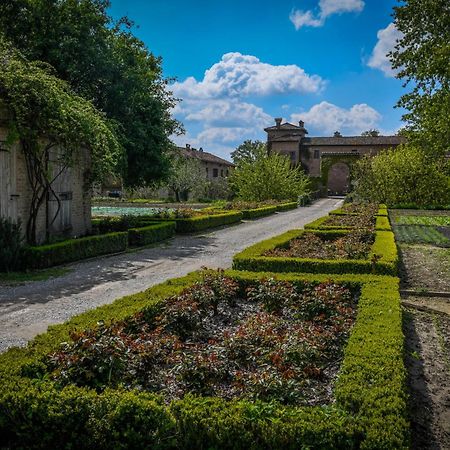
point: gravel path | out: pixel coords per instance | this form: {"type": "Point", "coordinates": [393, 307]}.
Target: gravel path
{"type": "Point", "coordinates": [28, 309]}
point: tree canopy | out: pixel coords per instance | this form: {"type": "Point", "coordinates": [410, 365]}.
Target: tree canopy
{"type": "Point", "coordinates": [422, 58]}
{"type": "Point", "coordinates": [249, 151]}
{"type": "Point", "coordinates": [103, 62]}
{"type": "Point", "coordinates": [268, 177]}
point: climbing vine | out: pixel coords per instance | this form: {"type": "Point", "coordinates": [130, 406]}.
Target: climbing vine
{"type": "Point", "coordinates": [49, 121]}
{"type": "Point", "coordinates": [328, 161]}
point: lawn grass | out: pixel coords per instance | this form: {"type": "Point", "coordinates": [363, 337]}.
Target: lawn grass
{"type": "Point", "coordinates": [420, 234]}
{"type": "Point", "coordinates": [38, 275]}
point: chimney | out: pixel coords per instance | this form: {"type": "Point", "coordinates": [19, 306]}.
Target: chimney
{"type": "Point", "coordinates": [337, 134]}
{"type": "Point", "coordinates": [278, 121]}
{"type": "Point", "coordinates": [188, 146]}
{"type": "Point", "coordinates": [200, 149]}
{"type": "Point", "coordinates": [301, 124]}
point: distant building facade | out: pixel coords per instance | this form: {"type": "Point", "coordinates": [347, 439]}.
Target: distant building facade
{"type": "Point", "coordinates": [215, 167]}
{"type": "Point", "coordinates": [328, 160]}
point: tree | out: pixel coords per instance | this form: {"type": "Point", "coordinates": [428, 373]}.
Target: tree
{"type": "Point", "coordinates": [372, 132]}
{"type": "Point", "coordinates": [249, 151]}
{"type": "Point", "coordinates": [268, 177]}
{"type": "Point", "coordinates": [103, 62]}
{"type": "Point", "coordinates": [403, 175]}
{"type": "Point", "coordinates": [48, 119]}
{"type": "Point", "coordinates": [186, 175]}
{"type": "Point", "coordinates": [422, 57]}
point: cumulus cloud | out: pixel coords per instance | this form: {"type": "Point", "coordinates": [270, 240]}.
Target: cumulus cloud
{"type": "Point", "coordinates": [327, 118]}
{"type": "Point", "coordinates": [326, 8]}
{"type": "Point", "coordinates": [387, 39]}
{"type": "Point", "coordinates": [237, 75]}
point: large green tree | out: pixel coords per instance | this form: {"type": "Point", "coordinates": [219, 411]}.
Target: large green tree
{"type": "Point", "coordinates": [54, 126]}
{"type": "Point", "coordinates": [249, 151]}
{"type": "Point", "coordinates": [268, 177]}
{"type": "Point", "coordinates": [422, 58]}
{"type": "Point", "coordinates": [104, 62]}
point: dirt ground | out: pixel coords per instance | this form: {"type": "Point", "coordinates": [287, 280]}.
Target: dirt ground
{"type": "Point", "coordinates": [427, 340]}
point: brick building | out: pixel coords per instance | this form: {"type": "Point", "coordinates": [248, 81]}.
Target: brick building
{"type": "Point", "coordinates": [74, 216]}
{"type": "Point", "coordinates": [328, 160]}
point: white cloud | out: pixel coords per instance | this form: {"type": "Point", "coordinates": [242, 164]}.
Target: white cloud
{"type": "Point", "coordinates": [244, 75]}
{"type": "Point", "coordinates": [326, 8]}
{"type": "Point", "coordinates": [304, 18]}
{"type": "Point", "coordinates": [327, 118]}
{"type": "Point", "coordinates": [387, 39]}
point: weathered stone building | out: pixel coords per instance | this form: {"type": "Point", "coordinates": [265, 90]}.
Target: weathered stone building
{"type": "Point", "coordinates": [215, 167]}
{"type": "Point", "coordinates": [326, 159]}
{"type": "Point", "coordinates": [74, 215]}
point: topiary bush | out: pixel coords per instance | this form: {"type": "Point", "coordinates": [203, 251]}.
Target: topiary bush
{"type": "Point", "coordinates": [11, 245]}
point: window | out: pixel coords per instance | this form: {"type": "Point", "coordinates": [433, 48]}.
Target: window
{"type": "Point", "coordinates": [293, 158]}
{"type": "Point", "coordinates": [316, 154]}
{"type": "Point", "coordinates": [227, 173]}
{"type": "Point", "coordinates": [215, 173]}
{"type": "Point", "coordinates": [207, 172]}
{"type": "Point", "coordinates": [221, 173]}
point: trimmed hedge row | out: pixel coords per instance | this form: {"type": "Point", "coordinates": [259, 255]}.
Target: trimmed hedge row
{"type": "Point", "coordinates": [44, 256]}
{"type": "Point", "coordinates": [192, 224]}
{"type": "Point", "coordinates": [382, 211]}
{"type": "Point", "coordinates": [381, 224]}
{"type": "Point", "coordinates": [382, 259]}
{"type": "Point", "coordinates": [371, 415]}
{"type": "Point", "coordinates": [287, 206]}
{"type": "Point", "coordinates": [150, 234]}
{"type": "Point", "coordinates": [258, 212]}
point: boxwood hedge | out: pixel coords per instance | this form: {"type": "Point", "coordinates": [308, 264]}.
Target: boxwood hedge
{"type": "Point", "coordinates": [287, 206]}
{"type": "Point", "coordinates": [155, 232]}
{"type": "Point", "coordinates": [381, 224]}
{"type": "Point", "coordinates": [44, 256]}
{"type": "Point", "coordinates": [369, 412]}
{"type": "Point", "coordinates": [382, 259]}
{"type": "Point", "coordinates": [258, 212]}
{"type": "Point", "coordinates": [199, 223]}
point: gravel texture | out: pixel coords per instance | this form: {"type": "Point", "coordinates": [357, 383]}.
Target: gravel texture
{"type": "Point", "coordinates": [28, 309]}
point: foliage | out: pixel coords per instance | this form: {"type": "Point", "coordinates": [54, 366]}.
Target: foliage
{"type": "Point", "coordinates": [372, 132]}
{"type": "Point", "coordinates": [102, 61]}
{"type": "Point", "coordinates": [11, 245]}
{"type": "Point", "coordinates": [382, 258]}
{"type": "Point", "coordinates": [268, 177]}
{"type": "Point", "coordinates": [249, 151]}
{"type": "Point", "coordinates": [217, 189]}
{"type": "Point", "coordinates": [413, 234]}
{"type": "Point", "coordinates": [403, 175]}
{"type": "Point", "coordinates": [145, 235]}
{"type": "Point", "coordinates": [74, 249]}
{"type": "Point", "coordinates": [422, 58]}
{"type": "Point", "coordinates": [187, 175]}
{"type": "Point", "coordinates": [41, 105]}
{"type": "Point", "coordinates": [422, 220]}
{"type": "Point", "coordinates": [353, 245]}
{"type": "Point", "coordinates": [366, 415]}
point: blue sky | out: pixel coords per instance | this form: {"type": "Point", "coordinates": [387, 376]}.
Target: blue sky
{"type": "Point", "coordinates": [239, 64]}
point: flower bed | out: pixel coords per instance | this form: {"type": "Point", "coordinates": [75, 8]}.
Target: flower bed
{"type": "Point", "coordinates": [364, 415]}
{"type": "Point", "coordinates": [350, 221]}
{"type": "Point", "coordinates": [361, 208]}
{"type": "Point", "coordinates": [270, 341]}
{"type": "Point", "coordinates": [381, 259]}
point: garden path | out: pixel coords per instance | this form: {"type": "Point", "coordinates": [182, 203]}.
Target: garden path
{"type": "Point", "coordinates": [28, 309]}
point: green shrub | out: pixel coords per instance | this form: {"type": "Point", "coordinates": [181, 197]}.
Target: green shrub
{"type": "Point", "coordinates": [44, 256]}
{"type": "Point", "coordinates": [151, 233]}
{"type": "Point", "coordinates": [382, 259]}
{"type": "Point", "coordinates": [258, 212]}
{"type": "Point", "coordinates": [370, 409]}
{"type": "Point", "coordinates": [287, 206]}
{"type": "Point", "coordinates": [11, 245]}
{"type": "Point", "coordinates": [199, 223]}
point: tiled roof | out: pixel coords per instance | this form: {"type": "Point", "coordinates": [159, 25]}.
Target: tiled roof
{"type": "Point", "coordinates": [354, 140]}
{"type": "Point", "coordinates": [204, 156]}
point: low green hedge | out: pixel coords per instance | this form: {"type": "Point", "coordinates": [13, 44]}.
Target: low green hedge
{"type": "Point", "coordinates": [199, 223]}
{"type": "Point", "coordinates": [382, 211]}
{"type": "Point", "coordinates": [258, 212]}
{"type": "Point", "coordinates": [384, 250]}
{"type": "Point", "coordinates": [44, 256]}
{"type": "Point", "coordinates": [381, 224]}
{"type": "Point", "coordinates": [370, 409]}
{"type": "Point", "coordinates": [151, 233]}
{"type": "Point", "coordinates": [287, 206]}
